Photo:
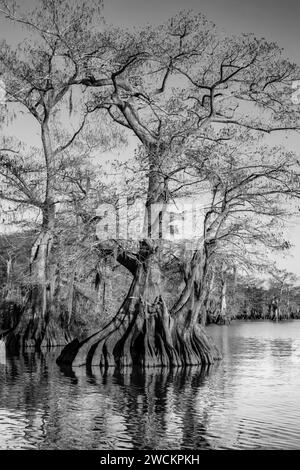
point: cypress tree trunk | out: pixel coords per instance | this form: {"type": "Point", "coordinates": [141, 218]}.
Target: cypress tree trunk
{"type": "Point", "coordinates": [41, 323]}
{"type": "Point", "coordinates": [223, 301]}
{"type": "Point", "coordinates": [222, 318]}
{"type": "Point", "coordinates": [144, 332]}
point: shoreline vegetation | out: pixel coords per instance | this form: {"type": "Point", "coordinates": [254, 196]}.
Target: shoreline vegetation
{"type": "Point", "coordinates": [245, 299]}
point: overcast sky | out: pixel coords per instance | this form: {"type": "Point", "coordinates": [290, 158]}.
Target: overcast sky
{"type": "Point", "coordinates": [273, 19]}
{"type": "Point", "coordinates": [277, 21]}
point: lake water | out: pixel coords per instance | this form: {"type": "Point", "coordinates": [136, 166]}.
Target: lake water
{"type": "Point", "coordinates": [250, 400]}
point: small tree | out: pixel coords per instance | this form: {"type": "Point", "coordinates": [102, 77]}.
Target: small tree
{"type": "Point", "coordinates": [251, 192]}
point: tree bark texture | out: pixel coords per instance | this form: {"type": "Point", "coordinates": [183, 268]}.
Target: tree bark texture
{"type": "Point", "coordinates": [144, 332]}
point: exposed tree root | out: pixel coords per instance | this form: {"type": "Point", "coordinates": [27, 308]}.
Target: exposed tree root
{"type": "Point", "coordinates": [36, 334]}
{"type": "Point", "coordinates": [147, 340]}
{"type": "Point", "coordinates": [144, 333]}
{"type": "Point", "coordinates": [36, 328]}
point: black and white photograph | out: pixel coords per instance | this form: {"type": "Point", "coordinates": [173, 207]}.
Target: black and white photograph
{"type": "Point", "coordinates": [149, 229]}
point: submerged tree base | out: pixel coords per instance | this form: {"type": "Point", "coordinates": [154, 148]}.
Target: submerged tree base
{"type": "Point", "coordinates": [36, 334]}
{"type": "Point", "coordinates": [144, 332]}
{"type": "Point", "coordinates": [37, 328]}
{"type": "Point", "coordinates": [146, 337]}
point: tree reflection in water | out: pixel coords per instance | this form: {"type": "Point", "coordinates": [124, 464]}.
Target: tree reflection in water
{"type": "Point", "coordinates": [48, 407]}
{"type": "Point", "coordinates": [248, 400]}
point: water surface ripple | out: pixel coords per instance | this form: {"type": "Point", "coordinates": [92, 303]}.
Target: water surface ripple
{"type": "Point", "coordinates": [250, 400]}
